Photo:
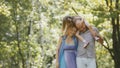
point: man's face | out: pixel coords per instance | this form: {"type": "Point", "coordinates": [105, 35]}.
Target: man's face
{"type": "Point", "coordinates": [78, 22]}
{"type": "Point", "coordinates": [80, 25]}
{"type": "Point", "coordinates": [83, 27]}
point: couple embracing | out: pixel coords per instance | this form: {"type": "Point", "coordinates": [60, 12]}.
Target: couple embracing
{"type": "Point", "coordinates": [76, 48]}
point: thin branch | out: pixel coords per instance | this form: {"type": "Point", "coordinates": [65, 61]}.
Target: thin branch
{"type": "Point", "coordinates": [108, 48]}
{"type": "Point", "coordinates": [74, 10]}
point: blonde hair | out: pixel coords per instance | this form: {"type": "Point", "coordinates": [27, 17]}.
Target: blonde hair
{"type": "Point", "coordinates": [66, 21]}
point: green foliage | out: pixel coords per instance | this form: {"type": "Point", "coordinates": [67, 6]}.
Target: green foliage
{"type": "Point", "coordinates": [30, 29]}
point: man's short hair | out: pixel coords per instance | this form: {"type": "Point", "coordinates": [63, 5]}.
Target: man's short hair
{"type": "Point", "coordinates": [75, 18]}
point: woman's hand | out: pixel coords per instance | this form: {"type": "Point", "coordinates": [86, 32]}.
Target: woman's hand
{"type": "Point", "coordinates": [57, 65]}
{"type": "Point", "coordinates": [77, 33]}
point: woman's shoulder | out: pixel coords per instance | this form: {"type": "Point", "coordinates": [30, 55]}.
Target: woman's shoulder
{"type": "Point", "coordinates": [63, 37]}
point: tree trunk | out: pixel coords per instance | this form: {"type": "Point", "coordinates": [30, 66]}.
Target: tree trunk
{"type": "Point", "coordinates": [115, 45]}
{"type": "Point", "coordinates": [15, 6]}
{"type": "Point", "coordinates": [18, 45]}
{"type": "Point", "coordinates": [115, 33]}
{"type": "Point", "coordinates": [116, 37]}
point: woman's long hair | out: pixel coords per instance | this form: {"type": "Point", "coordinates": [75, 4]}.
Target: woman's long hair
{"type": "Point", "coordinates": [66, 21]}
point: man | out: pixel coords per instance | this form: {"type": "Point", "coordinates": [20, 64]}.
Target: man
{"type": "Point", "coordinates": [86, 57]}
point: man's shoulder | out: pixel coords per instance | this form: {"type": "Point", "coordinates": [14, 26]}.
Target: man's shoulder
{"type": "Point", "coordinates": [95, 28]}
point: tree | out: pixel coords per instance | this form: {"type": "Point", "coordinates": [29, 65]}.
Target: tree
{"type": "Point", "coordinates": [30, 29]}
{"type": "Point", "coordinates": [111, 12]}
{"type": "Point", "coordinates": [116, 31]}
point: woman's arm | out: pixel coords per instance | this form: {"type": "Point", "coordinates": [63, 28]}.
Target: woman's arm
{"type": "Point", "coordinates": [57, 52]}
{"type": "Point", "coordinates": [78, 36]}
{"type": "Point", "coordinates": [81, 39]}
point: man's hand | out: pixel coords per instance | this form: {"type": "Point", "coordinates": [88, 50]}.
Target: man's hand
{"type": "Point", "coordinates": [100, 40]}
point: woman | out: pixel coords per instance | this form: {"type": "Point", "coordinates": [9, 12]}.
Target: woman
{"type": "Point", "coordinates": [66, 52]}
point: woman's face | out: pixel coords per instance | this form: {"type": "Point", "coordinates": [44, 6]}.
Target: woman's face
{"type": "Point", "coordinates": [71, 31]}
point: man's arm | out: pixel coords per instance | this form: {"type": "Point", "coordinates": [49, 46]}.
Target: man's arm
{"type": "Point", "coordinates": [100, 40]}
{"type": "Point", "coordinates": [90, 28]}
